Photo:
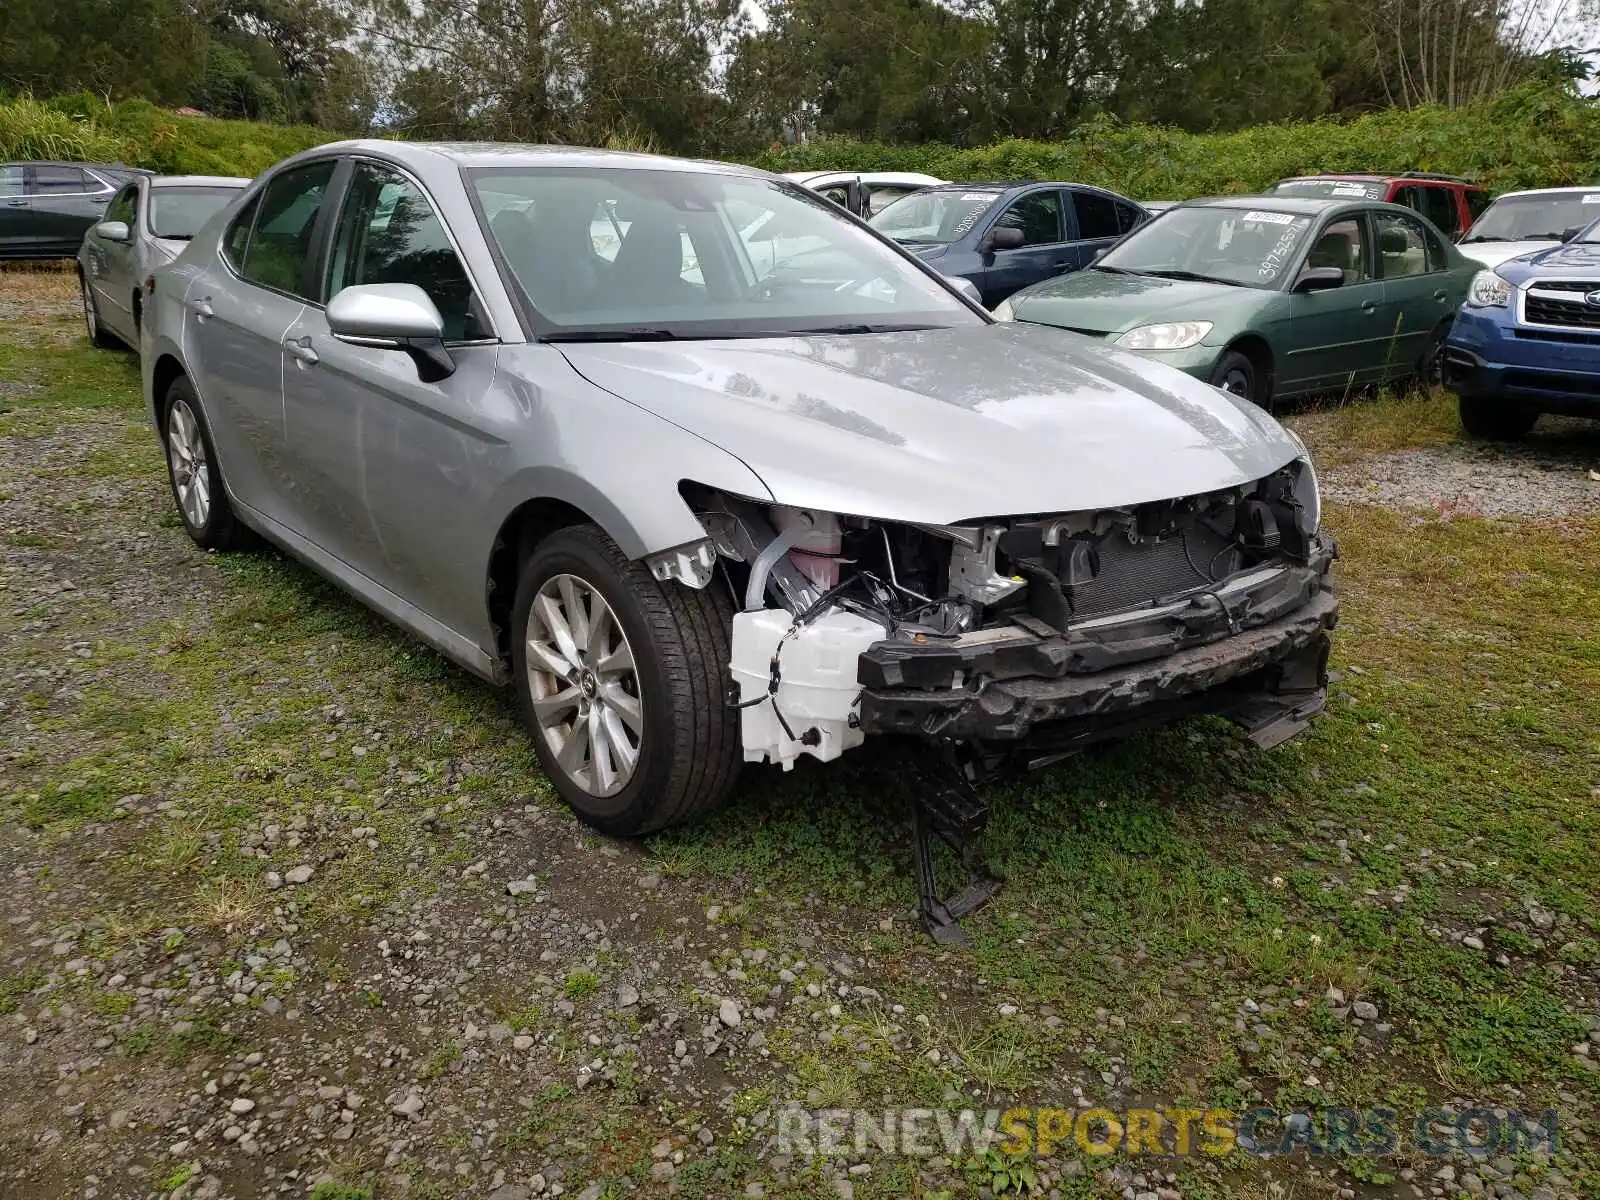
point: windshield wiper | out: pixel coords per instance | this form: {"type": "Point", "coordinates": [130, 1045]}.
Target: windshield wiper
{"type": "Point", "coordinates": [852, 328]}
{"type": "Point", "coordinates": [637, 333]}
{"type": "Point", "coordinates": [1193, 277]}
{"type": "Point", "coordinates": [1117, 270]}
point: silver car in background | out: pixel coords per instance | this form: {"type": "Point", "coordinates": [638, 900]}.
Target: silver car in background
{"type": "Point", "coordinates": [146, 225]}
{"type": "Point", "coordinates": [552, 412]}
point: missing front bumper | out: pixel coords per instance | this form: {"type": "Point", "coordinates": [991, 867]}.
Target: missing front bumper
{"type": "Point", "coordinates": [1270, 676]}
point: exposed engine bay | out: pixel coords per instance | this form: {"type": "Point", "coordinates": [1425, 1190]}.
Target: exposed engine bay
{"type": "Point", "coordinates": [987, 630]}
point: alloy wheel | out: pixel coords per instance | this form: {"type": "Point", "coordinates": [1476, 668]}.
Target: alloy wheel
{"type": "Point", "coordinates": [584, 685]}
{"type": "Point", "coordinates": [191, 472]}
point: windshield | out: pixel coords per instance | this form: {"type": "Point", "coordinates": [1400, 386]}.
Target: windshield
{"type": "Point", "coordinates": [1356, 189]}
{"type": "Point", "coordinates": [1247, 247]}
{"type": "Point", "coordinates": [628, 254]}
{"type": "Point", "coordinates": [933, 218]}
{"type": "Point", "coordinates": [179, 212]}
{"type": "Point", "coordinates": [1538, 217]}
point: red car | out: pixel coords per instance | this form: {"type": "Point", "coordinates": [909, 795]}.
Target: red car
{"type": "Point", "coordinates": [1451, 203]}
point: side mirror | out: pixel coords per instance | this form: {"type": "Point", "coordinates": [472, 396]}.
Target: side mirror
{"type": "Point", "coordinates": [1003, 238]}
{"type": "Point", "coordinates": [1319, 279]}
{"type": "Point", "coordinates": [967, 288]}
{"type": "Point", "coordinates": [393, 316]}
{"type": "Point", "coordinates": [112, 231]}
{"type": "Point", "coordinates": [1100, 253]}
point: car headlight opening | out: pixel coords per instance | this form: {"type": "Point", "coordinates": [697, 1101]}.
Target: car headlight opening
{"type": "Point", "coordinates": [1169, 335]}
{"type": "Point", "coordinates": [1488, 290]}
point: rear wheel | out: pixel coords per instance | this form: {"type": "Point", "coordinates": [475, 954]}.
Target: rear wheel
{"type": "Point", "coordinates": [1495, 420]}
{"type": "Point", "coordinates": [192, 470]}
{"type": "Point", "coordinates": [1430, 368]}
{"type": "Point", "coordinates": [1236, 373]}
{"type": "Point", "coordinates": [98, 334]}
{"type": "Point", "coordinates": [623, 682]}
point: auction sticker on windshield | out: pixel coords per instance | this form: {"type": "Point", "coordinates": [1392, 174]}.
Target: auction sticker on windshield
{"type": "Point", "coordinates": [1271, 218]}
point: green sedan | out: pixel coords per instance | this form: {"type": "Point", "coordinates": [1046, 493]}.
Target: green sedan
{"type": "Point", "coordinates": [1268, 296]}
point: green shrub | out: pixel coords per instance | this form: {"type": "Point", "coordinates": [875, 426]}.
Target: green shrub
{"type": "Point", "coordinates": [1529, 137]}
{"type": "Point", "coordinates": [83, 128]}
{"type": "Point", "coordinates": [1534, 136]}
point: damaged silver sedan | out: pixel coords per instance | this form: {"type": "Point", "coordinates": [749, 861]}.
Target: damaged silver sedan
{"type": "Point", "coordinates": [713, 474]}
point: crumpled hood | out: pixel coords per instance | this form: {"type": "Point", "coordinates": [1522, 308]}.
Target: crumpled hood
{"type": "Point", "coordinates": [1109, 302]}
{"type": "Point", "coordinates": [1492, 254]}
{"type": "Point", "coordinates": [946, 425]}
{"type": "Point", "coordinates": [1573, 260]}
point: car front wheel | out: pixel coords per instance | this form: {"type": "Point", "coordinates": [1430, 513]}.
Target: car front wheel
{"type": "Point", "coordinates": [98, 334]}
{"type": "Point", "coordinates": [623, 681]}
{"type": "Point", "coordinates": [1236, 373]}
{"type": "Point", "coordinates": [1495, 421]}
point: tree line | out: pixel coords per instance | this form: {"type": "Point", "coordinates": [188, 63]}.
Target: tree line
{"type": "Point", "coordinates": [734, 76]}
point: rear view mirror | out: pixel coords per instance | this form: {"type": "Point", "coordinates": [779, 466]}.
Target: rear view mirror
{"type": "Point", "coordinates": [112, 231]}
{"type": "Point", "coordinates": [1319, 279]}
{"type": "Point", "coordinates": [1003, 238]}
{"type": "Point", "coordinates": [393, 316]}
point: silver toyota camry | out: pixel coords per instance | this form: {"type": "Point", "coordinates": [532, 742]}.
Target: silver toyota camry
{"type": "Point", "coordinates": [711, 473]}
{"type": "Point", "coordinates": [147, 224]}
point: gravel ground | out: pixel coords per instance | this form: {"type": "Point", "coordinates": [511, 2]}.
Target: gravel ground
{"type": "Point", "coordinates": [1554, 472]}
{"type": "Point", "coordinates": [341, 961]}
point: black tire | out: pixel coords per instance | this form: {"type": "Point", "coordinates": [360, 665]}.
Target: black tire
{"type": "Point", "coordinates": [1236, 372]}
{"type": "Point", "coordinates": [688, 754]}
{"type": "Point", "coordinates": [220, 528]}
{"type": "Point", "coordinates": [1493, 420]}
{"type": "Point", "coordinates": [98, 334]}
{"type": "Point", "coordinates": [1430, 368]}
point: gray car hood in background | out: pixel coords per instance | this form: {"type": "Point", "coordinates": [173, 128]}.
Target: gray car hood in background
{"type": "Point", "coordinates": [945, 425]}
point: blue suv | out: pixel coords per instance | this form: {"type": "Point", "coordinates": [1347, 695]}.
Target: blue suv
{"type": "Point", "coordinates": [1003, 236]}
{"type": "Point", "coordinates": [1527, 341]}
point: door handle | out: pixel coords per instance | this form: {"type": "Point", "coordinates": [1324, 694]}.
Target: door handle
{"type": "Point", "coordinates": [202, 307]}
{"type": "Point", "coordinates": [1369, 306]}
{"type": "Point", "coordinates": [301, 349]}
{"type": "Point", "coordinates": [16, 204]}
{"type": "Point", "coordinates": [1441, 295]}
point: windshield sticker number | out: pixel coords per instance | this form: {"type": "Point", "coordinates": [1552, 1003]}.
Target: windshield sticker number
{"type": "Point", "coordinates": [1592, 198]}
{"type": "Point", "coordinates": [981, 203]}
{"type": "Point", "coordinates": [1278, 255]}
{"type": "Point", "coordinates": [1270, 218]}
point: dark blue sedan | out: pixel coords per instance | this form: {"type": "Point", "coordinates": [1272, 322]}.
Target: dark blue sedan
{"type": "Point", "coordinates": [1527, 340]}
{"type": "Point", "coordinates": [1004, 236]}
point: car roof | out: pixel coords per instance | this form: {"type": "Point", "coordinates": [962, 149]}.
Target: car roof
{"type": "Point", "coordinates": [1433, 176]}
{"type": "Point", "coordinates": [1555, 191]}
{"type": "Point", "coordinates": [916, 178]}
{"type": "Point", "coordinates": [514, 154]}
{"type": "Point", "coordinates": [93, 166]}
{"type": "Point", "coordinates": [1308, 205]}
{"type": "Point", "coordinates": [165, 181]}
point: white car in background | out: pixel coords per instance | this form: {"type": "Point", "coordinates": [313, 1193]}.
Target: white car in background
{"type": "Point", "coordinates": [883, 187]}
{"type": "Point", "coordinates": [1519, 223]}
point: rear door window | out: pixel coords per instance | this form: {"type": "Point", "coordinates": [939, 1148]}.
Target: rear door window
{"type": "Point", "coordinates": [280, 246]}
{"type": "Point", "coordinates": [1439, 206]}
{"type": "Point", "coordinates": [11, 181]}
{"type": "Point", "coordinates": [1097, 216]}
{"type": "Point", "coordinates": [61, 181]}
